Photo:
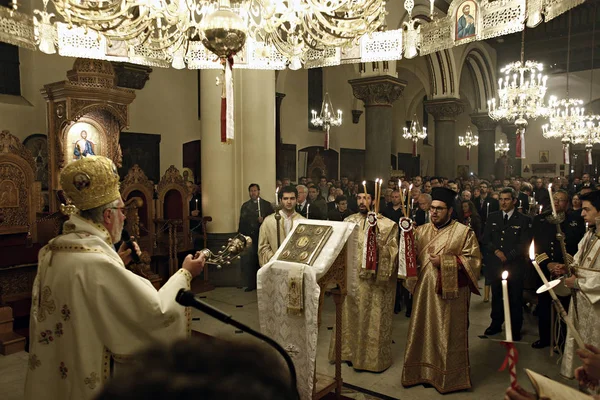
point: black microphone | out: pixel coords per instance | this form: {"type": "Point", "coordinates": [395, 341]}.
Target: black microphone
{"type": "Point", "coordinates": [126, 238]}
{"type": "Point", "coordinates": [187, 298]}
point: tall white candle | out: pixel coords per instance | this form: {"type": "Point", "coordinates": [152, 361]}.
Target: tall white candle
{"type": "Point", "coordinates": [551, 200]}
{"type": "Point", "coordinates": [521, 204]}
{"type": "Point", "coordinates": [277, 196]}
{"type": "Point", "coordinates": [536, 265]}
{"type": "Point", "coordinates": [258, 207]}
{"type": "Point", "coordinates": [541, 206]}
{"type": "Point", "coordinates": [431, 7]}
{"type": "Point", "coordinates": [488, 210]}
{"type": "Point", "coordinates": [507, 322]}
{"type": "Point", "coordinates": [307, 210]}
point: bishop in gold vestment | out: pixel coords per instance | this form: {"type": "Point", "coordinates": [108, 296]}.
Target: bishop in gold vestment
{"type": "Point", "coordinates": [449, 261]}
{"type": "Point", "coordinates": [369, 306]}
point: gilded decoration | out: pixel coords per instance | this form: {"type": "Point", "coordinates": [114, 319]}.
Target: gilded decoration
{"type": "Point", "coordinates": [136, 178]}
{"type": "Point", "coordinates": [171, 177]}
{"type": "Point", "coordinates": [378, 90]}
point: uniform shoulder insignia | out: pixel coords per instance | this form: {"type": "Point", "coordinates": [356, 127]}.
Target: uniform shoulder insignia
{"type": "Point", "coordinates": [530, 225]}
{"type": "Point", "coordinates": [573, 223]}
{"type": "Point", "coordinates": [493, 223]}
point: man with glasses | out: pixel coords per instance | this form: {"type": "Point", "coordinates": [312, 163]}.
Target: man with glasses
{"type": "Point", "coordinates": [505, 244]}
{"type": "Point", "coordinates": [549, 256]}
{"type": "Point", "coordinates": [87, 308]}
{"type": "Point", "coordinates": [485, 203]}
{"type": "Point", "coordinates": [448, 261]}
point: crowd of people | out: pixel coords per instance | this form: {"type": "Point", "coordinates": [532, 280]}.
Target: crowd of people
{"type": "Point", "coordinates": [504, 217]}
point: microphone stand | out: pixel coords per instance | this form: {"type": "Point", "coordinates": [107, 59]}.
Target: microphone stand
{"type": "Point", "coordinates": [187, 298]}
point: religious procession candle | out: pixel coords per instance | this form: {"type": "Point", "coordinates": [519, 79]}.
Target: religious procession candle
{"type": "Point", "coordinates": [307, 210]}
{"type": "Point", "coordinates": [507, 322]}
{"type": "Point", "coordinates": [551, 200]}
{"type": "Point", "coordinates": [365, 187]}
{"type": "Point", "coordinates": [521, 204]}
{"type": "Point", "coordinates": [277, 196]}
{"type": "Point", "coordinates": [196, 204]}
{"type": "Point", "coordinates": [258, 207]}
{"type": "Point", "coordinates": [487, 213]}
{"type": "Point", "coordinates": [431, 7]}
{"type": "Point", "coordinates": [541, 206]}
{"type": "Point", "coordinates": [409, 205]}
{"type": "Point", "coordinates": [536, 265]}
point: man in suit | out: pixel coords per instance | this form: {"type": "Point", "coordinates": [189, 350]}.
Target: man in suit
{"type": "Point", "coordinates": [549, 255]}
{"type": "Point", "coordinates": [485, 203]}
{"type": "Point", "coordinates": [522, 198]}
{"type": "Point", "coordinates": [506, 239]}
{"type": "Point", "coordinates": [301, 205]}
{"type": "Point", "coordinates": [341, 211]}
{"type": "Point", "coordinates": [252, 215]}
{"type": "Point", "coordinates": [422, 214]}
{"type": "Point", "coordinates": [317, 206]}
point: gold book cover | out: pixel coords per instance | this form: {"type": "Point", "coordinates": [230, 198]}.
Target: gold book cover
{"type": "Point", "coordinates": [306, 243]}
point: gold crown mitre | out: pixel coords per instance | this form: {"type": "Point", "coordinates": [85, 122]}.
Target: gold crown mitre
{"type": "Point", "coordinates": [90, 182]}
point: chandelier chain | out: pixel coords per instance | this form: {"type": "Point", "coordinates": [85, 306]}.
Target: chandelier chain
{"type": "Point", "coordinates": [593, 43]}
{"type": "Point", "coordinates": [568, 53]}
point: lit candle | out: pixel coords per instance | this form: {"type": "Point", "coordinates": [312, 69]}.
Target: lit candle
{"type": "Point", "coordinates": [307, 210]}
{"type": "Point", "coordinates": [487, 213]}
{"type": "Point", "coordinates": [258, 207]}
{"type": "Point", "coordinates": [431, 7]}
{"type": "Point", "coordinates": [277, 196]}
{"type": "Point", "coordinates": [551, 200]}
{"type": "Point", "coordinates": [507, 323]}
{"type": "Point", "coordinates": [407, 204]}
{"type": "Point", "coordinates": [365, 187]}
{"type": "Point", "coordinates": [521, 204]}
{"type": "Point", "coordinates": [541, 206]}
{"type": "Point", "coordinates": [196, 204]}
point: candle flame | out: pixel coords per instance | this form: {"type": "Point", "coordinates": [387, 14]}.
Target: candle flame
{"type": "Point", "coordinates": [549, 186]}
{"type": "Point", "coordinates": [505, 275]}
{"type": "Point", "coordinates": [532, 251]}
{"type": "Point", "coordinates": [364, 182]}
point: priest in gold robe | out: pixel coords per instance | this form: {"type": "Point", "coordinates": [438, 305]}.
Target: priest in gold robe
{"type": "Point", "coordinates": [369, 306]}
{"type": "Point", "coordinates": [449, 261]}
{"type": "Point", "coordinates": [268, 239]}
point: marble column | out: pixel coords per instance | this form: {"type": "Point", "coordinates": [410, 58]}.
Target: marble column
{"type": "Point", "coordinates": [378, 93]}
{"type": "Point", "coordinates": [445, 112]}
{"type": "Point", "coordinates": [486, 128]}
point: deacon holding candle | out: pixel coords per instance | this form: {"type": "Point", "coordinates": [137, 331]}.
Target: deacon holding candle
{"type": "Point", "coordinates": [506, 238]}
{"type": "Point", "coordinates": [448, 264]}
{"type": "Point", "coordinates": [550, 255]}
{"type": "Point", "coordinates": [252, 215]}
{"type": "Point", "coordinates": [585, 280]}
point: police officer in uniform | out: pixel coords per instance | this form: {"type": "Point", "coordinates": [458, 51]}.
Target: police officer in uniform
{"type": "Point", "coordinates": [506, 240]}
{"type": "Point", "coordinates": [549, 254]}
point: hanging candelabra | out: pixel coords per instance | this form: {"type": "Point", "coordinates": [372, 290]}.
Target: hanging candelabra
{"type": "Point", "coordinates": [414, 133]}
{"type": "Point", "coordinates": [502, 147]}
{"type": "Point", "coordinates": [566, 119]}
{"type": "Point", "coordinates": [468, 141]}
{"type": "Point", "coordinates": [520, 95]}
{"type": "Point", "coordinates": [326, 119]}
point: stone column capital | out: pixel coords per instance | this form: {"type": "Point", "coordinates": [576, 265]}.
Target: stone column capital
{"type": "Point", "coordinates": [483, 122]}
{"type": "Point", "coordinates": [379, 91]}
{"type": "Point", "coordinates": [445, 109]}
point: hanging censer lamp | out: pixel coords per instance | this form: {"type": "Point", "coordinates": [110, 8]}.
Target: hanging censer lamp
{"type": "Point", "coordinates": [224, 33]}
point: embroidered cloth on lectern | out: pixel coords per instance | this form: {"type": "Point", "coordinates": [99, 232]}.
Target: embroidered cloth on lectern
{"type": "Point", "coordinates": [298, 333]}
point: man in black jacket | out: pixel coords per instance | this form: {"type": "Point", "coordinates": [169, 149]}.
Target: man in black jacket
{"type": "Point", "coordinates": [506, 240]}
{"type": "Point", "coordinates": [548, 254]}
{"type": "Point", "coordinates": [252, 215]}
{"type": "Point", "coordinates": [341, 211]}
{"type": "Point", "coordinates": [485, 203]}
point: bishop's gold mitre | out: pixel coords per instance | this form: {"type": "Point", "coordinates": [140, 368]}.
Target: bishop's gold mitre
{"type": "Point", "coordinates": [90, 182]}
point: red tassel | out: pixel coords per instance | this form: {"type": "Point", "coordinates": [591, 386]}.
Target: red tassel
{"type": "Point", "coordinates": [414, 149]}
{"type": "Point", "coordinates": [468, 153]}
{"type": "Point", "coordinates": [510, 361]}
{"type": "Point", "coordinates": [223, 119]}
{"type": "Point", "coordinates": [326, 140]}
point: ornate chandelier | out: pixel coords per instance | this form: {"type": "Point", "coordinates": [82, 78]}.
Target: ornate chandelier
{"type": "Point", "coordinates": [468, 141]}
{"type": "Point", "coordinates": [502, 147]}
{"type": "Point", "coordinates": [414, 133]}
{"type": "Point", "coordinates": [521, 95]}
{"type": "Point", "coordinates": [326, 119]}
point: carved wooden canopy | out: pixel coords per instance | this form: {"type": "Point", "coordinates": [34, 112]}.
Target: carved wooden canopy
{"type": "Point", "coordinates": [19, 192]}
{"type": "Point", "coordinates": [91, 96]}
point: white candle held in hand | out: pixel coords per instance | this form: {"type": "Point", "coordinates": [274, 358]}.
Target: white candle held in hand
{"type": "Point", "coordinates": [277, 196]}
{"type": "Point", "coordinates": [507, 322]}
{"type": "Point", "coordinates": [536, 265]}
{"type": "Point", "coordinates": [551, 200]}
{"type": "Point", "coordinates": [258, 202]}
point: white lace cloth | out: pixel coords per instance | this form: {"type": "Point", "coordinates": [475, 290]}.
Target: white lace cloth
{"type": "Point", "coordinates": [298, 334]}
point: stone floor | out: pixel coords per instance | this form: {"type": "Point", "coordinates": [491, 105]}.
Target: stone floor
{"type": "Point", "coordinates": [486, 355]}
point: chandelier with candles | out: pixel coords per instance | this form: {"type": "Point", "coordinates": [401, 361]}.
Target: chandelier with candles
{"type": "Point", "coordinates": [468, 141]}
{"type": "Point", "coordinates": [326, 118]}
{"type": "Point", "coordinates": [279, 33]}
{"type": "Point", "coordinates": [501, 147]}
{"type": "Point", "coordinates": [414, 133]}
{"type": "Point", "coordinates": [521, 95]}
